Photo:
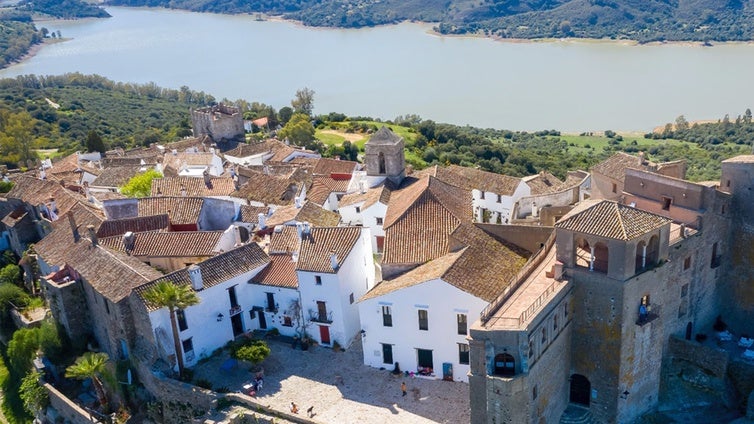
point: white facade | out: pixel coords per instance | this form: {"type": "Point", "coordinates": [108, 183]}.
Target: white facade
{"type": "Point", "coordinates": [443, 303]}
{"type": "Point", "coordinates": [498, 206]}
{"type": "Point", "coordinates": [372, 217]}
{"type": "Point", "coordinates": [209, 324]}
{"type": "Point", "coordinates": [280, 314]}
{"type": "Point", "coordinates": [339, 291]}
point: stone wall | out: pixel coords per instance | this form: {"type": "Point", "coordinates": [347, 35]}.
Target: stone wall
{"type": "Point", "coordinates": [530, 238]}
{"type": "Point", "coordinates": [220, 122]}
{"type": "Point", "coordinates": [66, 408]}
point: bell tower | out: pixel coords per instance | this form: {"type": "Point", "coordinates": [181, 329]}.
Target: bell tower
{"type": "Point", "coordinates": [384, 158]}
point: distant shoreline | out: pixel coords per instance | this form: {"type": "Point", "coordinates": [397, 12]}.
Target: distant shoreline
{"type": "Point", "coordinates": [35, 48]}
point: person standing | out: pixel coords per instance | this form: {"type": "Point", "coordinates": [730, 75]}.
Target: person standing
{"type": "Point", "coordinates": [403, 388]}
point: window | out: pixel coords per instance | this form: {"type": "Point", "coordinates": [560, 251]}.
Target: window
{"type": "Point", "coordinates": [180, 314]}
{"type": "Point", "coordinates": [727, 183]}
{"type": "Point", "coordinates": [379, 220]}
{"type": "Point", "coordinates": [531, 349]}
{"type": "Point", "coordinates": [232, 297]}
{"type": "Point", "coordinates": [687, 263]}
{"type": "Point", "coordinates": [271, 303]}
{"type": "Point", "coordinates": [615, 188]}
{"type": "Point", "coordinates": [534, 393]}
{"type": "Point", "coordinates": [684, 290]}
{"type": "Point", "coordinates": [387, 316]}
{"type": "Point", "coordinates": [358, 209]}
{"type": "Point", "coordinates": [463, 354]}
{"type": "Point", "coordinates": [565, 309]}
{"type": "Point", "coordinates": [381, 162]}
{"type": "Point", "coordinates": [499, 198]}
{"type": "Point", "coordinates": [318, 280]}
{"type": "Point", "coordinates": [666, 201]}
{"type": "Point", "coordinates": [107, 304]}
{"type": "Point", "coordinates": [462, 324]}
{"type": "Point", "coordinates": [715, 262]}
{"type": "Point", "coordinates": [544, 336]}
{"type": "Point", "coordinates": [188, 345]}
{"type": "Point", "coordinates": [481, 195]}
{"type": "Point", "coordinates": [387, 353]}
{"type": "Point", "coordinates": [287, 321]}
{"type": "Point", "coordinates": [423, 320]}
{"type": "Point", "coordinates": [554, 323]}
{"type": "Point", "coordinates": [350, 298]}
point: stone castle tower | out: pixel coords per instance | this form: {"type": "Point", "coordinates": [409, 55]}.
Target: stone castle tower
{"type": "Point", "coordinates": [384, 158]}
{"type": "Point", "coordinates": [220, 123]}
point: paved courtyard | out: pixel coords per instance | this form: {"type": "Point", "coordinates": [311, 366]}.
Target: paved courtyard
{"type": "Point", "coordinates": [341, 388]}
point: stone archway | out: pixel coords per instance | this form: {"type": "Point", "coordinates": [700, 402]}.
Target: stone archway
{"type": "Point", "coordinates": [581, 390]}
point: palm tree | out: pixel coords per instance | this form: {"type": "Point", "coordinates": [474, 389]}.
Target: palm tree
{"type": "Point", "coordinates": [91, 365]}
{"type": "Point", "coordinates": [168, 295]}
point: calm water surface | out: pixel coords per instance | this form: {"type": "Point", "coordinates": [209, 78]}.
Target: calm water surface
{"type": "Point", "coordinates": [388, 71]}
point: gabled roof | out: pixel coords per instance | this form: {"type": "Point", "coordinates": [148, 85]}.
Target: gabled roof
{"type": "Point", "coordinates": [612, 220]}
{"type": "Point", "coordinates": [280, 272]}
{"type": "Point", "coordinates": [381, 194]}
{"type": "Point", "coordinates": [215, 270]}
{"type": "Point", "coordinates": [111, 274]}
{"type": "Point", "coordinates": [320, 243]}
{"type": "Point", "coordinates": [420, 218]}
{"type": "Point", "coordinates": [483, 268]}
{"type": "Point", "coordinates": [244, 149]}
{"type": "Point", "coordinates": [115, 176]}
{"type": "Point", "coordinates": [35, 192]}
{"type": "Point", "coordinates": [182, 210]}
{"type": "Point", "coordinates": [615, 166]}
{"type": "Point", "coordinates": [472, 178]}
{"type": "Point", "coordinates": [327, 167]}
{"type": "Point", "coordinates": [309, 212]}
{"type": "Point", "coordinates": [384, 136]}
{"type": "Point", "coordinates": [544, 183]}
{"type": "Point", "coordinates": [284, 239]}
{"type": "Point", "coordinates": [268, 189]}
{"type": "Point", "coordinates": [250, 214]}
{"type": "Point", "coordinates": [168, 244]}
{"type": "Point", "coordinates": [323, 186]}
{"type": "Point", "coordinates": [138, 224]}
{"type": "Point", "coordinates": [172, 186]}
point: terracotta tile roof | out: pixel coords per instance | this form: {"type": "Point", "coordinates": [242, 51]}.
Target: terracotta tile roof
{"type": "Point", "coordinates": [182, 210]}
{"type": "Point", "coordinates": [294, 172]}
{"type": "Point", "coordinates": [471, 178]}
{"type": "Point", "coordinates": [202, 143]}
{"type": "Point", "coordinates": [544, 183]}
{"type": "Point", "coordinates": [115, 176]}
{"type": "Point", "coordinates": [317, 246]}
{"type": "Point", "coordinates": [174, 162]}
{"type": "Point", "coordinates": [121, 161]}
{"type": "Point", "coordinates": [106, 195]}
{"type": "Point", "coordinates": [168, 244]}
{"type": "Point", "coordinates": [244, 149]}
{"type": "Point", "coordinates": [195, 187]}
{"type": "Point", "coordinates": [309, 212]}
{"type": "Point", "coordinates": [116, 227]}
{"type": "Point", "coordinates": [282, 153]}
{"type": "Point", "coordinates": [35, 192]}
{"type": "Point", "coordinates": [373, 195]}
{"type": "Point", "coordinates": [322, 187]}
{"type": "Point", "coordinates": [420, 218]}
{"type": "Point", "coordinates": [284, 239]}
{"type": "Point", "coordinates": [268, 189]}
{"type": "Point", "coordinates": [217, 269]}
{"type": "Point", "coordinates": [483, 268]}
{"type": "Point", "coordinates": [12, 217]}
{"type": "Point", "coordinates": [250, 214]}
{"type": "Point", "coordinates": [280, 272]}
{"type": "Point", "coordinates": [615, 166]}
{"type": "Point", "coordinates": [327, 167]}
{"type": "Point", "coordinates": [112, 274]}
{"type": "Point", "coordinates": [612, 220]}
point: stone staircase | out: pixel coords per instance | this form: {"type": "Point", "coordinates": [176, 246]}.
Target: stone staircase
{"type": "Point", "coordinates": [575, 414]}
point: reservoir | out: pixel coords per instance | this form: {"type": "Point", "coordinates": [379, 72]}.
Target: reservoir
{"type": "Point", "coordinates": [403, 69]}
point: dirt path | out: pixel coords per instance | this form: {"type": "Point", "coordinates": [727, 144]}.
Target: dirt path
{"type": "Point", "coordinates": [348, 136]}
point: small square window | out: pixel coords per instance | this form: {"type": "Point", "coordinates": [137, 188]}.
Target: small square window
{"type": "Point", "coordinates": [666, 201]}
{"type": "Point", "coordinates": [287, 321]}
{"type": "Point", "coordinates": [358, 209]}
{"type": "Point", "coordinates": [684, 290]}
{"type": "Point", "coordinates": [615, 188]}
{"type": "Point", "coordinates": [423, 320]}
{"type": "Point", "coordinates": [379, 220]}
{"type": "Point", "coordinates": [318, 280]}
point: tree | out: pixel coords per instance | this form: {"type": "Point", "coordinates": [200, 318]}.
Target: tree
{"type": "Point", "coordinates": [140, 185]}
{"type": "Point", "coordinates": [285, 114]}
{"type": "Point", "coordinates": [681, 124]}
{"type": "Point", "coordinates": [10, 274]}
{"type": "Point", "coordinates": [255, 353]}
{"type": "Point", "coordinates": [747, 116]}
{"type": "Point", "coordinates": [94, 142]}
{"type": "Point", "coordinates": [91, 365]}
{"type": "Point", "coordinates": [304, 101]}
{"type": "Point", "coordinates": [33, 394]}
{"type": "Point", "coordinates": [299, 129]}
{"type": "Point", "coordinates": [168, 295]}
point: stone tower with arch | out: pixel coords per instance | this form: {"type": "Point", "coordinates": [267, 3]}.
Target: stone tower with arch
{"type": "Point", "coordinates": [384, 158]}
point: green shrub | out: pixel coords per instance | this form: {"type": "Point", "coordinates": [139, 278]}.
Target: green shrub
{"type": "Point", "coordinates": [255, 353]}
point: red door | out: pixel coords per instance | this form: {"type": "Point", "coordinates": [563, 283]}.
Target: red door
{"type": "Point", "coordinates": [324, 334]}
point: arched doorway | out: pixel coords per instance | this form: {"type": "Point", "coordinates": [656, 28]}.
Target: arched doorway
{"type": "Point", "coordinates": [505, 364]}
{"type": "Point", "coordinates": [601, 255]}
{"type": "Point", "coordinates": [581, 390]}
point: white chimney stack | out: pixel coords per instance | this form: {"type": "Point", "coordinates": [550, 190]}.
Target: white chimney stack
{"type": "Point", "coordinates": [334, 260]}
{"type": "Point", "coordinates": [300, 229]}
{"type": "Point", "coordinates": [534, 210]}
{"type": "Point", "coordinates": [128, 241]}
{"type": "Point", "coordinates": [298, 202]}
{"type": "Point", "coordinates": [195, 274]}
{"type": "Point", "coordinates": [362, 186]}
{"type": "Point", "coordinates": [237, 234]}
{"type": "Point", "coordinates": [261, 219]}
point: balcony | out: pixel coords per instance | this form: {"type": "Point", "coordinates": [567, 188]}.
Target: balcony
{"type": "Point", "coordinates": [320, 317]}
{"type": "Point", "coordinates": [234, 310]}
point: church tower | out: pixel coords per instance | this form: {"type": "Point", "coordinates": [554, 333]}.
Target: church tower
{"type": "Point", "coordinates": [384, 158]}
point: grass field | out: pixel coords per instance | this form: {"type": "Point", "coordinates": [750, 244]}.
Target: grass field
{"type": "Point", "coordinates": [338, 132]}
{"type": "Point", "coordinates": [596, 144]}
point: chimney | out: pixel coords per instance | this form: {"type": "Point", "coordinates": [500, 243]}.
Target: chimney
{"type": "Point", "coordinates": [300, 229]}
{"type": "Point", "coordinates": [87, 192]}
{"type": "Point", "coordinates": [534, 210]}
{"type": "Point", "coordinates": [362, 186]}
{"type": "Point", "coordinates": [74, 227]}
{"type": "Point", "coordinates": [42, 174]}
{"type": "Point", "coordinates": [298, 202]}
{"type": "Point", "coordinates": [53, 205]}
{"type": "Point", "coordinates": [642, 161]}
{"type": "Point", "coordinates": [195, 274]}
{"type": "Point", "coordinates": [307, 228]}
{"type": "Point", "coordinates": [207, 179]}
{"type": "Point", "coordinates": [237, 234]}
{"type": "Point", "coordinates": [294, 256]}
{"type": "Point", "coordinates": [334, 260]}
{"type": "Point", "coordinates": [92, 234]}
{"type": "Point", "coordinates": [129, 238]}
{"type": "Point", "coordinates": [261, 219]}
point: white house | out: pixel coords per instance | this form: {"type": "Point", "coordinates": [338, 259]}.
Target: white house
{"type": "Point", "coordinates": [420, 319]}
{"type": "Point", "coordinates": [367, 208]}
{"type": "Point", "coordinates": [276, 297]}
{"type": "Point", "coordinates": [227, 307]}
{"type": "Point", "coordinates": [335, 268]}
